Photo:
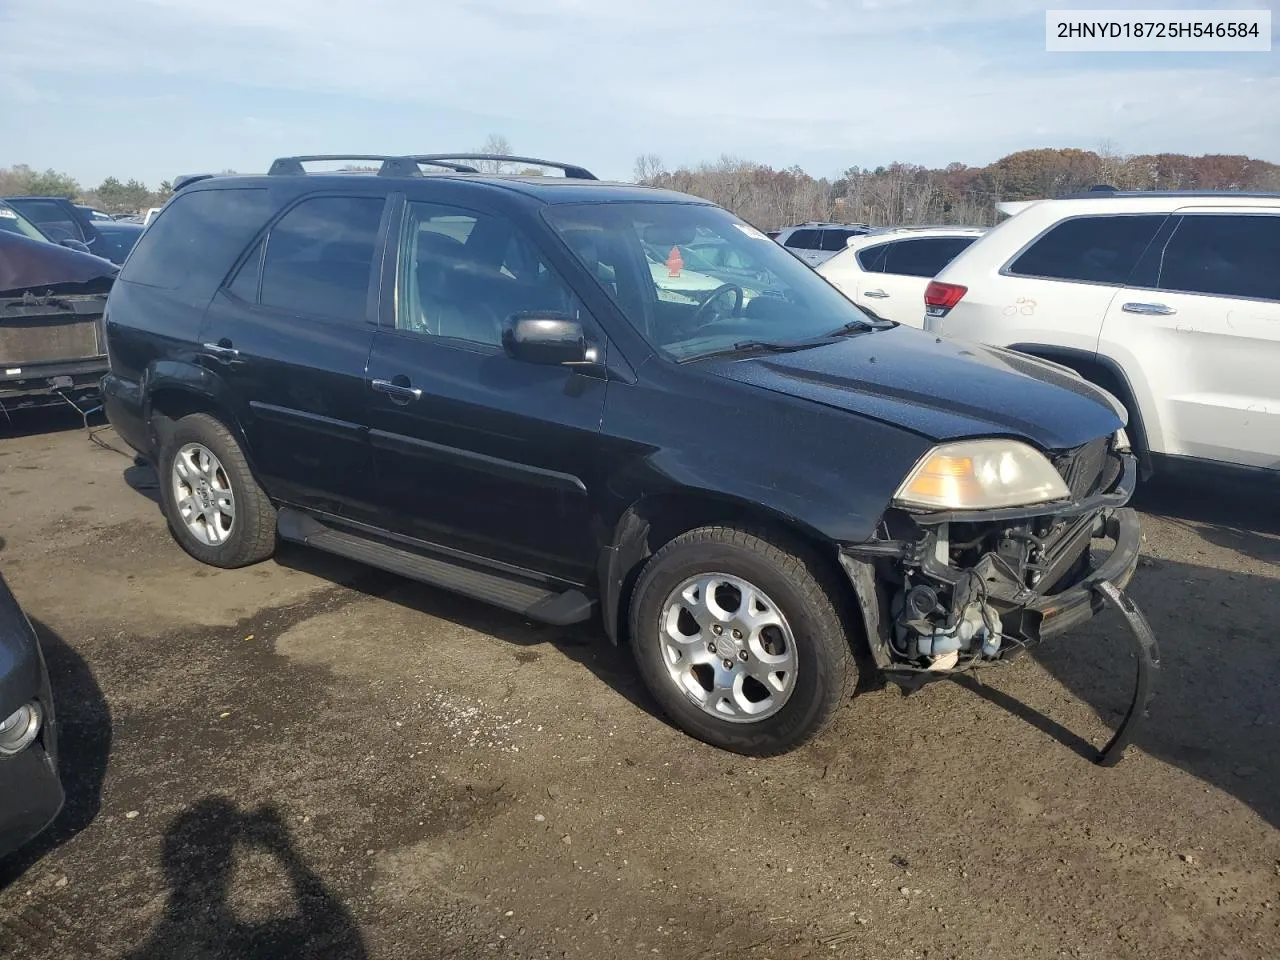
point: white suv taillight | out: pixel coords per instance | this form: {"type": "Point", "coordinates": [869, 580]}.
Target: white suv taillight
{"type": "Point", "coordinates": [939, 298]}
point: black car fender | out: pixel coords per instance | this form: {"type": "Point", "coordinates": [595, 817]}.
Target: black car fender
{"type": "Point", "coordinates": [656, 518]}
{"type": "Point", "coordinates": [173, 389]}
{"type": "Point", "coordinates": [1106, 373]}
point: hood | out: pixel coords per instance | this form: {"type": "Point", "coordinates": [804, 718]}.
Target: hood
{"type": "Point", "coordinates": [38, 266]}
{"type": "Point", "coordinates": [941, 389]}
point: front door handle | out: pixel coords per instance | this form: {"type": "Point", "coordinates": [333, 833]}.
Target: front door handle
{"type": "Point", "coordinates": [877, 294]}
{"type": "Point", "coordinates": [222, 348]}
{"type": "Point", "coordinates": [398, 392]}
{"type": "Point", "coordinates": [1149, 309]}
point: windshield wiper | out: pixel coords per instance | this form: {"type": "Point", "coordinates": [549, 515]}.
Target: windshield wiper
{"type": "Point", "coordinates": [872, 322]}
{"type": "Point", "coordinates": [767, 346]}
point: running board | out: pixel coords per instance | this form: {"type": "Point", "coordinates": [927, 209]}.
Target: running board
{"type": "Point", "coordinates": [536, 601]}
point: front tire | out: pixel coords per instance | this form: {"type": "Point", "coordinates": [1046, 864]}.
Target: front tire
{"type": "Point", "coordinates": [217, 511]}
{"type": "Point", "coordinates": [738, 638]}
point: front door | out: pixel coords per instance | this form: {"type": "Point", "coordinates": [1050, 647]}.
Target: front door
{"type": "Point", "coordinates": [291, 333]}
{"type": "Point", "coordinates": [1204, 331]}
{"type": "Point", "coordinates": [474, 450]}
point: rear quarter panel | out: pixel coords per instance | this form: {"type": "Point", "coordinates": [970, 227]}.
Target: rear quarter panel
{"type": "Point", "coordinates": [999, 309]}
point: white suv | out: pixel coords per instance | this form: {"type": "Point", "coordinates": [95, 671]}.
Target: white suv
{"type": "Point", "coordinates": [1171, 301]}
{"type": "Point", "coordinates": [887, 271]}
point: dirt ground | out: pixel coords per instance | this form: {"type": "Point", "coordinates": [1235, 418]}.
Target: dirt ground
{"type": "Point", "coordinates": [311, 759]}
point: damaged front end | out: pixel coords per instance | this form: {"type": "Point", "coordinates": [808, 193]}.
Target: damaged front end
{"type": "Point", "coordinates": [52, 341]}
{"type": "Point", "coordinates": [945, 592]}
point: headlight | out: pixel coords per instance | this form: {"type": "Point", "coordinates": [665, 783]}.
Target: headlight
{"type": "Point", "coordinates": [19, 729]}
{"type": "Point", "coordinates": [980, 475]}
{"type": "Point", "coordinates": [1121, 441]}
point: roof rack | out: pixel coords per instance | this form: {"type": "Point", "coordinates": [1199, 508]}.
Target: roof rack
{"type": "Point", "coordinates": [396, 166]}
{"type": "Point", "coordinates": [571, 171]}
{"type": "Point", "coordinates": [408, 166]}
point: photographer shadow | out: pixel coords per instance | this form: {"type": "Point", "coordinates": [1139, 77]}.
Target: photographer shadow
{"type": "Point", "coordinates": [199, 920]}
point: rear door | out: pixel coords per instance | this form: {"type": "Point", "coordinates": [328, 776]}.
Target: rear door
{"type": "Point", "coordinates": [290, 332]}
{"type": "Point", "coordinates": [904, 268]}
{"type": "Point", "coordinates": [1199, 328]}
{"type": "Point", "coordinates": [475, 451]}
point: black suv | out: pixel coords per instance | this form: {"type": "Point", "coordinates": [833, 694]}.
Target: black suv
{"type": "Point", "coordinates": [484, 383]}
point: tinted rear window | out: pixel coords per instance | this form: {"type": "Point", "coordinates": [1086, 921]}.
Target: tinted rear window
{"type": "Point", "coordinates": [871, 259]}
{"type": "Point", "coordinates": [803, 240]}
{"type": "Point", "coordinates": [924, 257]}
{"type": "Point", "coordinates": [197, 237]}
{"type": "Point", "coordinates": [837, 239]}
{"type": "Point", "coordinates": [1091, 249]}
{"type": "Point", "coordinates": [1229, 256]}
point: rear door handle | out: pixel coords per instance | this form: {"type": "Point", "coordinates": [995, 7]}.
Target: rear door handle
{"type": "Point", "coordinates": [877, 294]}
{"type": "Point", "coordinates": [1149, 309]}
{"type": "Point", "coordinates": [396, 391]}
{"type": "Point", "coordinates": [221, 349]}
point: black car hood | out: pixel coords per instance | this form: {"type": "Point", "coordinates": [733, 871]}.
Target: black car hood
{"type": "Point", "coordinates": [27, 264]}
{"type": "Point", "coordinates": [941, 389]}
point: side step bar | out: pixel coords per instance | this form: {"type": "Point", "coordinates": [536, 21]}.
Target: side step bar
{"type": "Point", "coordinates": [536, 601]}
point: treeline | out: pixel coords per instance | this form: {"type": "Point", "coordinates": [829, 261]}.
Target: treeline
{"type": "Point", "coordinates": [905, 193]}
{"type": "Point", "coordinates": [110, 196]}
{"type": "Point", "coordinates": [900, 193]}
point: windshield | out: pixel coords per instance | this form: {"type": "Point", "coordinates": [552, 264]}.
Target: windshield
{"type": "Point", "coordinates": [11, 221]}
{"type": "Point", "coordinates": [695, 280]}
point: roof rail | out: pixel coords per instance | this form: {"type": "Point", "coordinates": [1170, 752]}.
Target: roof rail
{"type": "Point", "coordinates": [393, 166]}
{"type": "Point", "coordinates": [571, 171]}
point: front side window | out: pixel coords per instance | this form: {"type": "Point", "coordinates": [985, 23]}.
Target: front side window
{"type": "Point", "coordinates": [924, 257]}
{"type": "Point", "coordinates": [463, 275]}
{"type": "Point", "coordinates": [1101, 249]}
{"type": "Point", "coordinates": [1228, 256]}
{"type": "Point", "coordinates": [319, 258]}
{"type": "Point", "coordinates": [646, 257]}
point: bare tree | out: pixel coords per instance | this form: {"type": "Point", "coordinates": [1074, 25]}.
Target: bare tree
{"type": "Point", "coordinates": [649, 168]}
{"type": "Point", "coordinates": [498, 144]}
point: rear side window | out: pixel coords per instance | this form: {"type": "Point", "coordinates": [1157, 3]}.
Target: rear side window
{"type": "Point", "coordinates": [871, 259]}
{"type": "Point", "coordinates": [193, 243]}
{"type": "Point", "coordinates": [803, 240]}
{"type": "Point", "coordinates": [320, 255]}
{"type": "Point", "coordinates": [1089, 249]}
{"type": "Point", "coordinates": [924, 257]}
{"type": "Point", "coordinates": [1229, 256]}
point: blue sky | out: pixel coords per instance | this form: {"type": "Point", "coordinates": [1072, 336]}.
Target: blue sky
{"type": "Point", "coordinates": [154, 88]}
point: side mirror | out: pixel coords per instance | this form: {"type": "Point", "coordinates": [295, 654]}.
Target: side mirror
{"type": "Point", "coordinates": [549, 339]}
{"type": "Point", "coordinates": [74, 244]}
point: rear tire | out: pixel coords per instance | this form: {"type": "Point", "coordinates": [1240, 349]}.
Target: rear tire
{"type": "Point", "coordinates": [216, 510]}
{"type": "Point", "coordinates": [774, 687]}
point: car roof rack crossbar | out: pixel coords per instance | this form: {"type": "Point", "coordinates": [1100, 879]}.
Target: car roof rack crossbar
{"type": "Point", "coordinates": [396, 166]}
{"type": "Point", "coordinates": [571, 171]}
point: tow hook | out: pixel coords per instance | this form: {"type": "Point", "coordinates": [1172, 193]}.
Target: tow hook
{"type": "Point", "coordinates": [1148, 656]}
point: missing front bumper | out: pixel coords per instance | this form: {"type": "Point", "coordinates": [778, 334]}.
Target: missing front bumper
{"type": "Point", "coordinates": [1028, 616]}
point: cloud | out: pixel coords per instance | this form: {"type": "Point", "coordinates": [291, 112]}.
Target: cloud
{"type": "Point", "coordinates": [813, 81]}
